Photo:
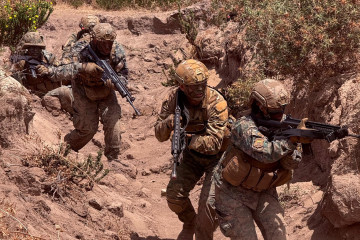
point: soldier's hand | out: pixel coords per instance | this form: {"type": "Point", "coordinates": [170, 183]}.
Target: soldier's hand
{"type": "Point", "coordinates": [341, 133]}
{"type": "Point", "coordinates": [42, 70]}
{"type": "Point", "coordinates": [20, 65]}
{"type": "Point", "coordinates": [292, 161]}
{"type": "Point", "coordinates": [92, 69]}
{"type": "Point", "coordinates": [170, 121]}
{"type": "Point", "coordinates": [109, 84]}
{"type": "Point", "coordinates": [301, 126]}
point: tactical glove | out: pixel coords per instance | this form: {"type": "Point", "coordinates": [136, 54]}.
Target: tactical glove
{"type": "Point", "coordinates": [92, 69]}
{"type": "Point", "coordinates": [91, 74]}
{"type": "Point", "coordinates": [170, 121]}
{"type": "Point", "coordinates": [109, 84]}
{"type": "Point", "coordinates": [20, 65]}
{"type": "Point", "coordinates": [42, 70]}
{"type": "Point", "coordinates": [341, 133]}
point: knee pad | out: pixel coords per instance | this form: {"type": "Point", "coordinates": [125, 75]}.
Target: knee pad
{"type": "Point", "coordinates": [178, 206]}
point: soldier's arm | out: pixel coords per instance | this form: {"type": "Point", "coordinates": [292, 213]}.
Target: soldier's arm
{"type": "Point", "coordinates": [68, 44]}
{"type": "Point", "coordinates": [64, 72]}
{"type": "Point", "coordinates": [163, 127]}
{"type": "Point", "coordinates": [247, 137]}
{"type": "Point", "coordinates": [119, 59]}
{"type": "Point", "coordinates": [210, 142]}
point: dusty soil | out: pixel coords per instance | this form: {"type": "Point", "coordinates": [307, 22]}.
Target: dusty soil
{"type": "Point", "coordinates": [126, 204]}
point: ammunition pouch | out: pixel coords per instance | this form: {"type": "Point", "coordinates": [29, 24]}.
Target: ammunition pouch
{"type": "Point", "coordinates": [97, 93]}
{"type": "Point", "coordinates": [239, 169]}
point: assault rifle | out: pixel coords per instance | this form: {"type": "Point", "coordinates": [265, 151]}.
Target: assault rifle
{"type": "Point", "coordinates": [178, 143]}
{"type": "Point", "coordinates": [30, 62]}
{"type": "Point", "coordinates": [109, 73]}
{"type": "Point", "coordinates": [288, 128]}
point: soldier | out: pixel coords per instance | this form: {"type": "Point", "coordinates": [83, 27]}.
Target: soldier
{"type": "Point", "coordinates": [245, 180]}
{"type": "Point", "coordinates": [208, 115]}
{"type": "Point", "coordinates": [29, 64]}
{"type": "Point", "coordinates": [86, 25]}
{"type": "Point", "coordinates": [92, 98]}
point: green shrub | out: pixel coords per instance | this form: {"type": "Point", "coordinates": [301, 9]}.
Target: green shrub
{"type": "Point", "coordinates": [310, 39]}
{"type": "Point", "coordinates": [75, 3]}
{"type": "Point", "coordinates": [118, 4]}
{"type": "Point", "coordinates": [18, 17]}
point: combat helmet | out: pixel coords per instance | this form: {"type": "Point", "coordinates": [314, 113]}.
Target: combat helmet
{"type": "Point", "coordinates": [87, 23]}
{"type": "Point", "coordinates": [103, 32]}
{"type": "Point", "coordinates": [32, 39]}
{"type": "Point", "coordinates": [271, 95]}
{"type": "Point", "coordinates": [191, 72]}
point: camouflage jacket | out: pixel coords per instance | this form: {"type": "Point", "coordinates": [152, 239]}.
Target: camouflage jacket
{"type": "Point", "coordinates": [69, 69]}
{"type": "Point", "coordinates": [209, 120]}
{"type": "Point", "coordinates": [246, 136]}
{"type": "Point", "coordinates": [72, 39]}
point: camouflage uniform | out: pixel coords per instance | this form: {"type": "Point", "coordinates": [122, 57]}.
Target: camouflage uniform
{"type": "Point", "coordinates": [41, 84]}
{"type": "Point", "coordinates": [92, 102]}
{"type": "Point", "coordinates": [199, 157]}
{"type": "Point", "coordinates": [86, 24]}
{"type": "Point", "coordinates": [239, 204]}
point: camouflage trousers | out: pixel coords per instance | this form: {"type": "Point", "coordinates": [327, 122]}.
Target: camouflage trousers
{"type": "Point", "coordinates": [189, 172]}
{"type": "Point", "coordinates": [237, 209]}
{"type": "Point", "coordinates": [65, 96]}
{"type": "Point", "coordinates": [86, 121]}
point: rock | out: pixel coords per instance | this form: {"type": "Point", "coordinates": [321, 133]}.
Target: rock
{"type": "Point", "coordinates": [51, 103]}
{"type": "Point", "coordinates": [116, 208]}
{"type": "Point", "coordinates": [145, 172]}
{"type": "Point", "coordinates": [155, 169]}
{"type": "Point", "coordinates": [95, 204]}
{"type": "Point", "coordinates": [341, 204]}
{"type": "Point", "coordinates": [163, 192]}
{"type": "Point", "coordinates": [130, 156]}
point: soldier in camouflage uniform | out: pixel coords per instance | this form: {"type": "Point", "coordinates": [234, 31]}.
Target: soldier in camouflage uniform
{"type": "Point", "coordinates": [32, 45]}
{"type": "Point", "coordinates": [94, 99]}
{"type": "Point", "coordinates": [245, 180]}
{"type": "Point", "coordinates": [86, 25]}
{"type": "Point", "coordinates": [208, 115]}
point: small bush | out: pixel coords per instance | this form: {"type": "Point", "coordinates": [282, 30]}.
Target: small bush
{"type": "Point", "coordinates": [119, 4]}
{"type": "Point", "coordinates": [18, 17]}
{"type": "Point", "coordinates": [310, 39]}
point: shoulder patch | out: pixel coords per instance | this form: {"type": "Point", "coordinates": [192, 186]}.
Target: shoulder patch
{"type": "Point", "coordinates": [258, 143]}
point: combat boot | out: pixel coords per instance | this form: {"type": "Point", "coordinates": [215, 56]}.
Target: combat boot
{"type": "Point", "coordinates": [188, 231]}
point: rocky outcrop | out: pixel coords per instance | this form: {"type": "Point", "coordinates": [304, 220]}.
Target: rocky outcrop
{"type": "Point", "coordinates": [334, 101]}
{"type": "Point", "coordinates": [16, 114]}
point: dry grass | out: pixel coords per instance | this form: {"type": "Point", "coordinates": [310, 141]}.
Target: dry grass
{"type": "Point", "coordinates": [12, 228]}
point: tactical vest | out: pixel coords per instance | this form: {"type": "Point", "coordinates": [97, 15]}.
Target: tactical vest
{"type": "Point", "coordinates": [198, 126]}
{"type": "Point", "coordinates": [240, 169]}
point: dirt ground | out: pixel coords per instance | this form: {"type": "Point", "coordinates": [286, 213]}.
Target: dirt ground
{"type": "Point", "coordinates": [126, 204]}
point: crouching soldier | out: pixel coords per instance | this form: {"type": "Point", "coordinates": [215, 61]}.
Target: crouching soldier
{"type": "Point", "coordinates": [30, 65]}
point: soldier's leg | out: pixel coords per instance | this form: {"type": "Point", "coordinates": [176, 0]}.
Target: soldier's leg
{"type": "Point", "coordinates": [206, 222]}
{"type": "Point", "coordinates": [85, 120]}
{"type": "Point", "coordinates": [269, 216]}
{"type": "Point", "coordinates": [110, 114]}
{"type": "Point", "coordinates": [177, 194]}
{"type": "Point", "coordinates": [65, 96]}
{"type": "Point", "coordinates": [235, 219]}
